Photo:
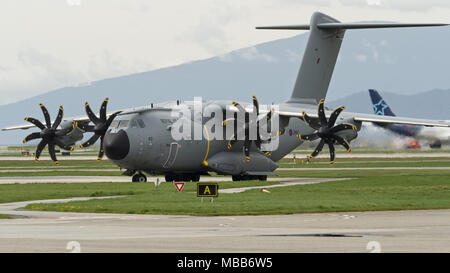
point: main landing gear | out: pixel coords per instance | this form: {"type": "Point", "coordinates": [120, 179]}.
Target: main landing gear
{"type": "Point", "coordinates": [171, 177]}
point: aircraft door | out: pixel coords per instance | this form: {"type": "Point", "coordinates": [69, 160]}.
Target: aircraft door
{"type": "Point", "coordinates": [173, 151]}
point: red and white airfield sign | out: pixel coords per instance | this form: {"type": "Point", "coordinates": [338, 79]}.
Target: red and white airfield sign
{"type": "Point", "coordinates": [179, 186]}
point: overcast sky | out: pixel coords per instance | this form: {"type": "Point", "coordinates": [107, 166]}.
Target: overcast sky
{"type": "Point", "coordinates": [48, 44]}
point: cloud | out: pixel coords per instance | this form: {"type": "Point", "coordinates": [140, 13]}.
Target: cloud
{"type": "Point", "coordinates": [67, 43]}
{"type": "Point", "coordinates": [401, 5]}
{"type": "Point", "coordinates": [378, 51]}
{"type": "Point", "coordinates": [46, 65]}
{"type": "Point", "coordinates": [361, 58]}
{"type": "Point", "coordinates": [35, 71]}
{"type": "Point", "coordinates": [253, 54]}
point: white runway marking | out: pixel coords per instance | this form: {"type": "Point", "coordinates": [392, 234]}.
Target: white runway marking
{"type": "Point", "coordinates": [294, 182]}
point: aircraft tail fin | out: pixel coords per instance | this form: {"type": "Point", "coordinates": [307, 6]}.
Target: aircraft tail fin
{"type": "Point", "coordinates": [321, 52]}
{"type": "Point", "coordinates": [380, 107]}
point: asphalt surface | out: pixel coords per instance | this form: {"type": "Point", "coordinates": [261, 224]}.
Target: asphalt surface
{"type": "Point", "coordinates": [394, 231]}
{"type": "Point", "coordinates": [390, 231]}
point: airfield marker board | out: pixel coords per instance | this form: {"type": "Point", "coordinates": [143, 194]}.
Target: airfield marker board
{"type": "Point", "coordinates": [207, 190]}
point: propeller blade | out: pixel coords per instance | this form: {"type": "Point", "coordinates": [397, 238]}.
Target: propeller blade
{"type": "Point", "coordinates": [238, 106]}
{"type": "Point", "coordinates": [39, 149]}
{"type": "Point", "coordinates": [102, 151]}
{"type": "Point", "coordinates": [111, 118]}
{"type": "Point", "coordinates": [310, 137]}
{"type": "Point", "coordinates": [343, 126]}
{"type": "Point", "coordinates": [58, 118]}
{"type": "Point", "coordinates": [31, 137]}
{"type": "Point", "coordinates": [332, 154]}
{"type": "Point", "coordinates": [103, 110]}
{"type": "Point", "coordinates": [247, 150]}
{"type": "Point", "coordinates": [51, 151]}
{"type": "Point", "coordinates": [321, 113]}
{"type": "Point", "coordinates": [318, 149]}
{"type": "Point", "coordinates": [326, 130]}
{"type": "Point", "coordinates": [256, 105]}
{"type": "Point", "coordinates": [91, 114]}
{"type": "Point", "coordinates": [227, 121]}
{"type": "Point", "coordinates": [46, 115]}
{"type": "Point", "coordinates": [231, 142]}
{"type": "Point", "coordinates": [313, 123]}
{"type": "Point", "coordinates": [258, 143]}
{"type": "Point", "coordinates": [36, 122]}
{"type": "Point", "coordinates": [269, 115]}
{"type": "Point", "coordinates": [90, 141]}
{"type": "Point", "coordinates": [343, 142]}
{"type": "Point", "coordinates": [84, 127]}
{"type": "Point", "coordinates": [334, 116]}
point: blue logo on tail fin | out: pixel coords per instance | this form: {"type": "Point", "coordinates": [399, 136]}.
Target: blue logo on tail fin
{"type": "Point", "coordinates": [380, 107]}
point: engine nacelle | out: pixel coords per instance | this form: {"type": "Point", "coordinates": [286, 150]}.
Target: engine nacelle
{"type": "Point", "coordinates": [350, 135]}
{"type": "Point", "coordinates": [73, 136]}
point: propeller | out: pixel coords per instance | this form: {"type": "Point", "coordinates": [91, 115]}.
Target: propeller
{"type": "Point", "coordinates": [49, 134]}
{"type": "Point", "coordinates": [326, 131]}
{"type": "Point", "coordinates": [246, 128]}
{"type": "Point", "coordinates": [99, 128]}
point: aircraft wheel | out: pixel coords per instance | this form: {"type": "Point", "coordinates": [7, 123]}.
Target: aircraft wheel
{"type": "Point", "coordinates": [195, 177]}
{"type": "Point", "coordinates": [139, 178]}
{"type": "Point", "coordinates": [236, 178]}
{"type": "Point", "coordinates": [262, 177]}
{"type": "Point", "coordinates": [169, 178]}
{"type": "Point", "coordinates": [186, 177]}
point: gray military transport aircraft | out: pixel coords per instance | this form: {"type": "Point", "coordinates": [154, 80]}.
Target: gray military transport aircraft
{"type": "Point", "coordinates": [141, 140]}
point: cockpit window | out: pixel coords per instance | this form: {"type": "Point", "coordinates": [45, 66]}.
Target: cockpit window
{"type": "Point", "coordinates": [134, 124]}
{"type": "Point", "coordinates": [124, 123]}
{"type": "Point", "coordinates": [114, 124]}
{"type": "Point", "coordinates": [141, 123]}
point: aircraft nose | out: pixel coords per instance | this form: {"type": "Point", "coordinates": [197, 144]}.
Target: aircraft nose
{"type": "Point", "coordinates": [116, 145]}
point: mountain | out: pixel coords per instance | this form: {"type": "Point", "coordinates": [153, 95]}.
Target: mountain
{"type": "Point", "coordinates": [406, 61]}
{"type": "Point", "coordinates": [432, 104]}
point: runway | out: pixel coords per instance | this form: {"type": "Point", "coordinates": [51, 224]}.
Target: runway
{"type": "Point", "coordinates": [393, 231]}
{"type": "Point", "coordinates": [386, 231]}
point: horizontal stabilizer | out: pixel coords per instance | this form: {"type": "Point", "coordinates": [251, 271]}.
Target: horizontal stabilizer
{"type": "Point", "coordinates": [300, 27]}
{"type": "Point", "coordinates": [330, 26]}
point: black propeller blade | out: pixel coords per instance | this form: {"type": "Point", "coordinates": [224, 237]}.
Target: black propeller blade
{"type": "Point", "coordinates": [326, 131]}
{"type": "Point", "coordinates": [246, 128]}
{"type": "Point", "coordinates": [49, 134]}
{"type": "Point", "coordinates": [101, 125]}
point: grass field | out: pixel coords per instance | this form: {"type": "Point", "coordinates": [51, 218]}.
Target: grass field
{"type": "Point", "coordinates": [368, 190]}
{"type": "Point", "coordinates": [362, 194]}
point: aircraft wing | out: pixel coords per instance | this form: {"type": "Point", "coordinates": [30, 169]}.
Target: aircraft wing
{"type": "Point", "coordinates": [19, 127]}
{"type": "Point", "coordinates": [360, 117]}
{"type": "Point", "coordinates": [84, 120]}
{"type": "Point", "coordinates": [79, 119]}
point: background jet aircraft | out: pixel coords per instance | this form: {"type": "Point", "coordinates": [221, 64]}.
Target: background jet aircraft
{"type": "Point", "coordinates": [436, 136]}
{"type": "Point", "coordinates": [141, 141]}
